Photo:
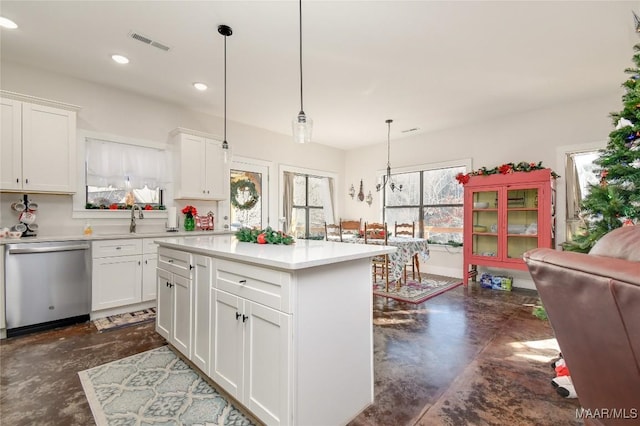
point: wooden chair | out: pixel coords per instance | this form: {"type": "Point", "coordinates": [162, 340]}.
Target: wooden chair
{"type": "Point", "coordinates": [408, 230]}
{"type": "Point", "coordinates": [332, 232]}
{"type": "Point", "coordinates": [373, 233]}
{"type": "Point", "coordinates": [350, 227]}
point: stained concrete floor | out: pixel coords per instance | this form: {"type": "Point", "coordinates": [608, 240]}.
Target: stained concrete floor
{"type": "Point", "coordinates": [470, 356]}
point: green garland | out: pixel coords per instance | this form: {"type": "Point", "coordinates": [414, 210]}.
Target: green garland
{"type": "Point", "coordinates": [263, 236]}
{"type": "Point", "coordinates": [244, 184]}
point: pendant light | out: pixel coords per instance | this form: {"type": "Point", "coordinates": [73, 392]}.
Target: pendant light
{"type": "Point", "coordinates": [302, 125]}
{"type": "Point", "coordinates": [226, 32]}
{"type": "Point", "coordinates": [386, 179]}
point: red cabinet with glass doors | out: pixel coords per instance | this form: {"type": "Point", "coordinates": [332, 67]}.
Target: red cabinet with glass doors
{"type": "Point", "coordinates": [506, 215]}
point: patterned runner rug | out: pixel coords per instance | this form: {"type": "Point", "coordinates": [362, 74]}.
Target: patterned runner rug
{"type": "Point", "coordinates": [123, 320]}
{"type": "Point", "coordinates": [155, 388]}
{"type": "Point", "coordinates": [417, 292]}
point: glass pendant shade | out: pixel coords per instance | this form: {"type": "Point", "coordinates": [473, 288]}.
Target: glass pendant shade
{"type": "Point", "coordinates": [302, 128]}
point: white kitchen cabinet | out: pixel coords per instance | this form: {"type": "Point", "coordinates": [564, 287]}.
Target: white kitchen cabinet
{"type": "Point", "coordinates": [282, 344]}
{"type": "Point", "coordinates": [116, 273]}
{"type": "Point", "coordinates": [200, 168]}
{"type": "Point", "coordinates": [149, 264]}
{"type": "Point", "coordinates": [201, 311]}
{"type": "Point", "coordinates": [252, 349]}
{"type": "Point", "coordinates": [38, 145]}
{"type": "Point", "coordinates": [175, 295]}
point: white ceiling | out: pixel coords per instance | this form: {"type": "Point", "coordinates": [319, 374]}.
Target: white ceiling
{"type": "Point", "coordinates": [426, 64]}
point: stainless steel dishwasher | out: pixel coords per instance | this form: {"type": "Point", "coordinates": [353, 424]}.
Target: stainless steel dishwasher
{"type": "Point", "coordinates": [47, 284]}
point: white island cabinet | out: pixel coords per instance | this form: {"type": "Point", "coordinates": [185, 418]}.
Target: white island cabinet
{"type": "Point", "coordinates": [290, 332]}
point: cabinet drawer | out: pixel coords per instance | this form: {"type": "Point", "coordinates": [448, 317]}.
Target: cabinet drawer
{"type": "Point", "coordinates": [262, 285]}
{"type": "Point", "coordinates": [178, 262]}
{"type": "Point", "coordinates": [108, 248]}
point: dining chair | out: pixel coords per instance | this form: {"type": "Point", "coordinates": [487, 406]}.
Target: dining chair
{"type": "Point", "coordinates": [373, 233]}
{"type": "Point", "coordinates": [350, 227]}
{"type": "Point", "coordinates": [332, 232]}
{"type": "Point", "coordinates": [408, 230]}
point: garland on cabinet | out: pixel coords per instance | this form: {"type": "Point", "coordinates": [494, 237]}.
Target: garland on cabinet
{"type": "Point", "coordinates": [504, 169]}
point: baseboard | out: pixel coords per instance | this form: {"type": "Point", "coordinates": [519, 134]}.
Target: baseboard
{"type": "Point", "coordinates": [122, 309]}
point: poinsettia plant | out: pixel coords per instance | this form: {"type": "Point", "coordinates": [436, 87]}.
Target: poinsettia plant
{"type": "Point", "coordinates": [263, 236]}
{"type": "Point", "coordinates": [503, 169]}
{"type": "Point", "coordinates": [190, 211]}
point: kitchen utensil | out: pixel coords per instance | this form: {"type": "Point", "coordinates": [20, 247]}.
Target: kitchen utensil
{"type": "Point", "coordinates": [18, 206]}
{"type": "Point", "coordinates": [20, 227]}
{"type": "Point", "coordinates": [361, 193]}
{"type": "Point", "coordinates": [15, 234]}
{"type": "Point", "coordinates": [27, 217]}
{"type": "Point", "coordinates": [4, 232]}
{"type": "Point", "coordinates": [32, 206]}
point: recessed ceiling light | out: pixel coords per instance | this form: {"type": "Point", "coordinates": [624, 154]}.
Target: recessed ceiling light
{"type": "Point", "coordinates": [7, 23]}
{"type": "Point", "coordinates": [120, 59]}
{"type": "Point", "coordinates": [200, 86]}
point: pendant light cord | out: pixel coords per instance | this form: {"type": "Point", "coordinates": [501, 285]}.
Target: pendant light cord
{"type": "Point", "coordinates": [389, 148]}
{"type": "Point", "coordinates": [300, 15]}
{"type": "Point", "coordinates": [225, 89]}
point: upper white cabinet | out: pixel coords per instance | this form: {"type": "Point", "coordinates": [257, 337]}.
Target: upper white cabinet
{"type": "Point", "coordinates": [200, 168]}
{"type": "Point", "coordinates": [38, 145]}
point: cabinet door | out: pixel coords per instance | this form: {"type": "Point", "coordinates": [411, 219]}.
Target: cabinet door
{"type": "Point", "coordinates": [201, 320]}
{"type": "Point", "coordinates": [48, 148]}
{"type": "Point", "coordinates": [164, 310]}
{"type": "Point", "coordinates": [11, 144]}
{"type": "Point", "coordinates": [485, 223]}
{"type": "Point", "coordinates": [192, 154]}
{"type": "Point", "coordinates": [117, 281]}
{"type": "Point", "coordinates": [149, 288]}
{"type": "Point", "coordinates": [215, 171]}
{"type": "Point", "coordinates": [522, 220]}
{"type": "Point", "coordinates": [181, 337]}
{"type": "Point", "coordinates": [267, 364]}
{"type": "Point", "coordinates": [227, 357]}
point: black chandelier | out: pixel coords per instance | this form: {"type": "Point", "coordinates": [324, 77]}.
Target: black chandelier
{"type": "Point", "coordinates": [386, 179]}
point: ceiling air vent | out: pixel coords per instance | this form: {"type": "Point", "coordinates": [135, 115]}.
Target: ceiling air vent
{"type": "Point", "coordinates": [147, 40]}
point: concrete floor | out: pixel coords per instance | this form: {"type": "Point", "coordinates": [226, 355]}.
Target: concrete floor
{"type": "Point", "coordinates": [470, 356]}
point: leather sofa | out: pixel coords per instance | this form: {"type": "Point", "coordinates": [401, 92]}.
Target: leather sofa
{"type": "Point", "coordinates": [593, 304]}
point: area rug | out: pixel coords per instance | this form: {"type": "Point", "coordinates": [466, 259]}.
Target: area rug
{"type": "Point", "coordinates": [155, 388]}
{"type": "Point", "coordinates": [124, 320]}
{"type": "Point", "coordinates": [417, 292]}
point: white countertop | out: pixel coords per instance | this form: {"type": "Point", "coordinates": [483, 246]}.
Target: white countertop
{"type": "Point", "coordinates": [303, 254]}
{"type": "Point", "coordinates": [95, 237]}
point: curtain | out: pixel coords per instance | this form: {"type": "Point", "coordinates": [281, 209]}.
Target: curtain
{"type": "Point", "coordinates": [287, 201]}
{"type": "Point", "coordinates": [121, 165]}
{"type": "Point", "coordinates": [327, 199]}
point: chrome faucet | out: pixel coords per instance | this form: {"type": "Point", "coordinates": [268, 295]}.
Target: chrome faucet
{"type": "Point", "coordinates": [132, 226]}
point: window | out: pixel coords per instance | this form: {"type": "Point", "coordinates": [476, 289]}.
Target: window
{"type": "Point", "coordinates": [432, 198]}
{"type": "Point", "coordinates": [310, 203]}
{"type": "Point", "coordinates": [119, 175]}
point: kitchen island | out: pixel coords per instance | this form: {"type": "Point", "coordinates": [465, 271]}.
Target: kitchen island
{"type": "Point", "coordinates": [286, 330]}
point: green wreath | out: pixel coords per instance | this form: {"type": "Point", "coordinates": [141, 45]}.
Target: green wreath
{"type": "Point", "coordinates": [244, 184]}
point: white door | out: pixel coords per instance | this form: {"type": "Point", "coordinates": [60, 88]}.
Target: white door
{"type": "Point", "coordinates": [117, 281]}
{"type": "Point", "coordinates": [11, 144]}
{"type": "Point", "coordinates": [267, 364]}
{"type": "Point", "coordinates": [164, 311]}
{"type": "Point", "coordinates": [149, 288]}
{"type": "Point", "coordinates": [192, 167]}
{"type": "Point", "coordinates": [48, 148]}
{"type": "Point", "coordinates": [215, 171]}
{"type": "Point", "coordinates": [201, 320]}
{"type": "Point", "coordinates": [181, 338]}
{"type": "Point", "coordinates": [248, 203]}
{"type": "Point", "coordinates": [228, 351]}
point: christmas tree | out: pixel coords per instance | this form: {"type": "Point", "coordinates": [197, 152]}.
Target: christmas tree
{"type": "Point", "coordinates": [615, 201]}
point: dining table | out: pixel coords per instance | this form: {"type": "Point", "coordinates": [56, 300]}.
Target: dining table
{"type": "Point", "coordinates": [407, 247]}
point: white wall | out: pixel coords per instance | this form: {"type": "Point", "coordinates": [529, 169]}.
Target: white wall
{"type": "Point", "coordinates": [112, 111]}
{"type": "Point", "coordinates": [532, 137]}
